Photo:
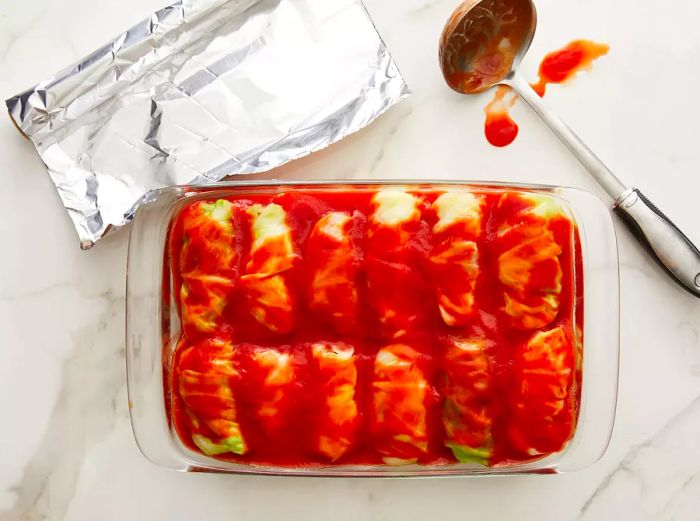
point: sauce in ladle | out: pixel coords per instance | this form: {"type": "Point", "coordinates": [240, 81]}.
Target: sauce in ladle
{"type": "Point", "coordinates": [556, 67]}
{"type": "Point", "coordinates": [480, 42]}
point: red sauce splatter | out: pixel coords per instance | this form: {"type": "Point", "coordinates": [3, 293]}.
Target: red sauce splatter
{"type": "Point", "coordinates": [500, 129]}
{"type": "Point", "coordinates": [556, 67]}
{"type": "Point", "coordinates": [561, 65]}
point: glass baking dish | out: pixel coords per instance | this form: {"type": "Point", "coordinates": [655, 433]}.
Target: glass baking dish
{"type": "Point", "coordinates": [153, 328]}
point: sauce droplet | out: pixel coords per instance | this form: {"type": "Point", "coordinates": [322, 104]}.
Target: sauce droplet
{"type": "Point", "coordinates": [562, 64]}
{"type": "Point", "coordinates": [500, 129]}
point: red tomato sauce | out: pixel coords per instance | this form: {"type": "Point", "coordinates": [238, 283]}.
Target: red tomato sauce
{"type": "Point", "coordinates": [279, 413]}
{"type": "Point", "coordinates": [563, 64]}
{"type": "Point", "coordinates": [558, 67]}
{"type": "Point", "coordinates": [499, 128]}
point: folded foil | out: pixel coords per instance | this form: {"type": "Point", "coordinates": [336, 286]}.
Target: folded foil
{"type": "Point", "coordinates": [201, 90]}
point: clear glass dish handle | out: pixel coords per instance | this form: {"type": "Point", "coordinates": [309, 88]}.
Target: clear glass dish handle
{"type": "Point", "coordinates": [662, 239]}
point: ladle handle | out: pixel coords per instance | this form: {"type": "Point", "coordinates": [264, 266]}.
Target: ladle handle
{"type": "Point", "coordinates": [662, 239]}
{"type": "Point", "coordinates": [605, 178]}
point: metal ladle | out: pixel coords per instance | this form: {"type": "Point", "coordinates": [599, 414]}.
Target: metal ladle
{"type": "Point", "coordinates": [482, 45]}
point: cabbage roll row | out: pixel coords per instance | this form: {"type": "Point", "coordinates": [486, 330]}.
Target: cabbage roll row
{"type": "Point", "coordinates": [393, 252]}
{"type": "Point", "coordinates": [214, 378]}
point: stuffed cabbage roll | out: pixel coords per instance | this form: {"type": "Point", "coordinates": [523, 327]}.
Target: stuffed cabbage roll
{"type": "Point", "coordinates": [205, 376]}
{"type": "Point", "coordinates": [207, 265]}
{"type": "Point", "coordinates": [530, 238]}
{"type": "Point", "coordinates": [265, 286]}
{"type": "Point", "coordinates": [270, 301]}
{"type": "Point", "coordinates": [337, 422]}
{"type": "Point", "coordinates": [273, 375]}
{"type": "Point", "coordinates": [400, 389]}
{"type": "Point", "coordinates": [396, 288]}
{"type": "Point", "coordinates": [333, 260]}
{"type": "Point", "coordinates": [468, 391]}
{"type": "Point", "coordinates": [203, 299]}
{"type": "Point", "coordinates": [543, 410]}
{"type": "Point", "coordinates": [208, 238]}
{"type": "Point", "coordinates": [394, 221]}
{"type": "Point", "coordinates": [455, 254]}
{"type": "Point", "coordinates": [272, 250]}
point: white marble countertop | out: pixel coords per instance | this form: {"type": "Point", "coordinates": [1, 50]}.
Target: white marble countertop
{"type": "Point", "coordinates": [66, 447]}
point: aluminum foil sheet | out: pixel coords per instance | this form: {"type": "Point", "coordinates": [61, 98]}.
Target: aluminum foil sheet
{"type": "Point", "coordinates": [200, 90]}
